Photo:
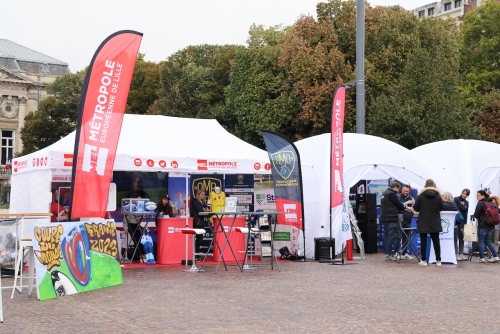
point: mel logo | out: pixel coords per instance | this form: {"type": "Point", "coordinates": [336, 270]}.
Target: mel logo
{"type": "Point", "coordinates": [284, 163]}
{"type": "Point", "coordinates": [267, 167]}
{"type": "Point", "coordinates": [137, 162]}
{"type": "Point", "coordinates": [94, 158]}
{"type": "Point", "coordinates": [150, 162]}
{"type": "Point", "coordinates": [68, 160]}
{"type": "Point", "coordinates": [290, 213]}
{"type": "Point", "coordinates": [174, 164]}
{"type": "Point", "coordinates": [202, 165]}
{"type": "Point", "coordinates": [256, 166]}
{"type": "Point", "coordinates": [162, 163]}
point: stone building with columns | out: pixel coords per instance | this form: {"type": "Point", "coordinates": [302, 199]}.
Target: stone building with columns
{"type": "Point", "coordinates": [24, 76]}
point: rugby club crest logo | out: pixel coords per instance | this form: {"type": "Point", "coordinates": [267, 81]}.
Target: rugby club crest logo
{"type": "Point", "coordinates": [284, 163]}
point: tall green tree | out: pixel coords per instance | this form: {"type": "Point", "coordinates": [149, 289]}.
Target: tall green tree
{"type": "Point", "coordinates": [424, 105]}
{"type": "Point", "coordinates": [259, 95]}
{"type": "Point", "coordinates": [488, 117]}
{"type": "Point", "coordinates": [315, 67]}
{"type": "Point", "coordinates": [145, 86]}
{"type": "Point", "coordinates": [480, 64]}
{"type": "Point", "coordinates": [480, 51]}
{"type": "Point", "coordinates": [193, 81]}
{"type": "Point", "coordinates": [321, 54]}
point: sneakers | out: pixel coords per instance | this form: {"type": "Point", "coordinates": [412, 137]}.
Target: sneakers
{"type": "Point", "coordinates": [460, 257]}
{"type": "Point", "coordinates": [422, 263]}
{"type": "Point", "coordinates": [481, 261]}
{"type": "Point", "coordinates": [390, 258]}
{"type": "Point", "coordinates": [494, 259]}
{"type": "Point", "coordinates": [438, 263]}
{"type": "Point", "coordinates": [407, 257]}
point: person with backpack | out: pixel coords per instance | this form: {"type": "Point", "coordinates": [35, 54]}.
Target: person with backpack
{"type": "Point", "coordinates": [496, 231]}
{"type": "Point", "coordinates": [486, 214]}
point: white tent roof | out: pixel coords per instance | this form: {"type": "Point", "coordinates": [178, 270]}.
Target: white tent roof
{"type": "Point", "coordinates": [161, 143]}
{"type": "Point", "coordinates": [471, 164]}
{"type": "Point", "coordinates": [365, 157]}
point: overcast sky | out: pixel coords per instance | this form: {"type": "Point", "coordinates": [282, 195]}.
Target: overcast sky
{"type": "Point", "coordinates": [71, 31]}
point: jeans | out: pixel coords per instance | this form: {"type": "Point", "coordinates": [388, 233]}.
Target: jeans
{"type": "Point", "coordinates": [459, 236]}
{"type": "Point", "coordinates": [405, 237]}
{"type": "Point", "coordinates": [393, 234]}
{"type": "Point", "coordinates": [484, 236]}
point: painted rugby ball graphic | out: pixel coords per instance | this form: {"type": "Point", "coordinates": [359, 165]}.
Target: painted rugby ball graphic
{"type": "Point", "coordinates": [150, 206]}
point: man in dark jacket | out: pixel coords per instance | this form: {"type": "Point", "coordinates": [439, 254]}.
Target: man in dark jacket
{"type": "Point", "coordinates": [405, 198]}
{"type": "Point", "coordinates": [390, 207]}
{"type": "Point", "coordinates": [197, 206]}
{"type": "Point", "coordinates": [462, 204]}
{"type": "Point", "coordinates": [429, 205]}
{"type": "Point", "coordinates": [484, 230]}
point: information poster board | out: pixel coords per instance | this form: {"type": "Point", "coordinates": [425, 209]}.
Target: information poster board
{"type": "Point", "coordinates": [241, 186]}
{"type": "Point", "coordinates": [75, 257]}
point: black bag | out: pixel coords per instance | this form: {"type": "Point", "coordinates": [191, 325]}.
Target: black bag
{"type": "Point", "coordinates": [285, 253]}
{"type": "Point", "coordinates": [130, 253]}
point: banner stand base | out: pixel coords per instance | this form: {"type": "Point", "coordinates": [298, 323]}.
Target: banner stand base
{"type": "Point", "coordinates": [342, 263]}
{"type": "Point", "coordinates": [303, 259]}
{"type": "Point", "coordinates": [326, 260]}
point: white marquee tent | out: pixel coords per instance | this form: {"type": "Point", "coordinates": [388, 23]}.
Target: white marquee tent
{"type": "Point", "coordinates": [147, 143]}
{"type": "Point", "coordinates": [471, 164]}
{"type": "Point", "coordinates": [365, 157]}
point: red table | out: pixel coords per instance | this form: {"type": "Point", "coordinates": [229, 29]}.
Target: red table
{"type": "Point", "coordinates": [236, 239]}
{"type": "Point", "coordinates": [171, 241]}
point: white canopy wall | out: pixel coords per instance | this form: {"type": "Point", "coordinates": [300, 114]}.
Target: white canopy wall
{"type": "Point", "coordinates": [471, 164]}
{"type": "Point", "coordinates": [147, 143]}
{"type": "Point", "coordinates": [365, 157]}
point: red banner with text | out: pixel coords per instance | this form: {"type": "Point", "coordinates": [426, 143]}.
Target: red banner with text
{"type": "Point", "coordinates": [102, 106]}
{"type": "Point", "coordinates": [337, 151]}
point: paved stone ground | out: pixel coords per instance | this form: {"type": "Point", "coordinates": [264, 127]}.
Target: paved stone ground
{"type": "Point", "coordinates": [372, 296]}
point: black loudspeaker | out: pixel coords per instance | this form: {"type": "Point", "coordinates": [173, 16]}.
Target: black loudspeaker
{"type": "Point", "coordinates": [367, 221]}
{"type": "Point", "coordinates": [322, 248]}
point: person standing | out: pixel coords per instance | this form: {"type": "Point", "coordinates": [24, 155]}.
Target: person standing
{"type": "Point", "coordinates": [198, 221]}
{"type": "Point", "coordinates": [132, 226]}
{"type": "Point", "coordinates": [496, 231]}
{"type": "Point", "coordinates": [462, 204]}
{"type": "Point", "coordinates": [429, 205]}
{"type": "Point", "coordinates": [55, 207]}
{"type": "Point", "coordinates": [390, 207]}
{"type": "Point", "coordinates": [448, 202]}
{"type": "Point", "coordinates": [484, 230]}
{"type": "Point", "coordinates": [407, 200]}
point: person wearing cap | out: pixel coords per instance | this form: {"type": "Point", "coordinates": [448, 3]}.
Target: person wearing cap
{"type": "Point", "coordinates": [163, 208]}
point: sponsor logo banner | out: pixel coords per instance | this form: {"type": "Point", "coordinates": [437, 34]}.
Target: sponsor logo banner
{"type": "Point", "coordinates": [337, 146]}
{"type": "Point", "coordinates": [287, 178]}
{"type": "Point", "coordinates": [102, 105]}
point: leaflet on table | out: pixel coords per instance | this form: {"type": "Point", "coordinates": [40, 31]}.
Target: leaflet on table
{"type": "Point", "coordinates": [135, 205]}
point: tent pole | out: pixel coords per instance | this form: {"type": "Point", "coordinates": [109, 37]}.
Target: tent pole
{"type": "Point", "coordinates": [187, 216]}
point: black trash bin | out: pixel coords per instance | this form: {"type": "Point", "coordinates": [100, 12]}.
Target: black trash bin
{"type": "Point", "coordinates": [322, 248]}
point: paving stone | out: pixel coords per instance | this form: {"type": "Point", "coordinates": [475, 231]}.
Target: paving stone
{"type": "Point", "coordinates": [372, 296]}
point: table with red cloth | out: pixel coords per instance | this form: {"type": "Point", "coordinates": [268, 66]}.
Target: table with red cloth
{"type": "Point", "coordinates": [171, 242]}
